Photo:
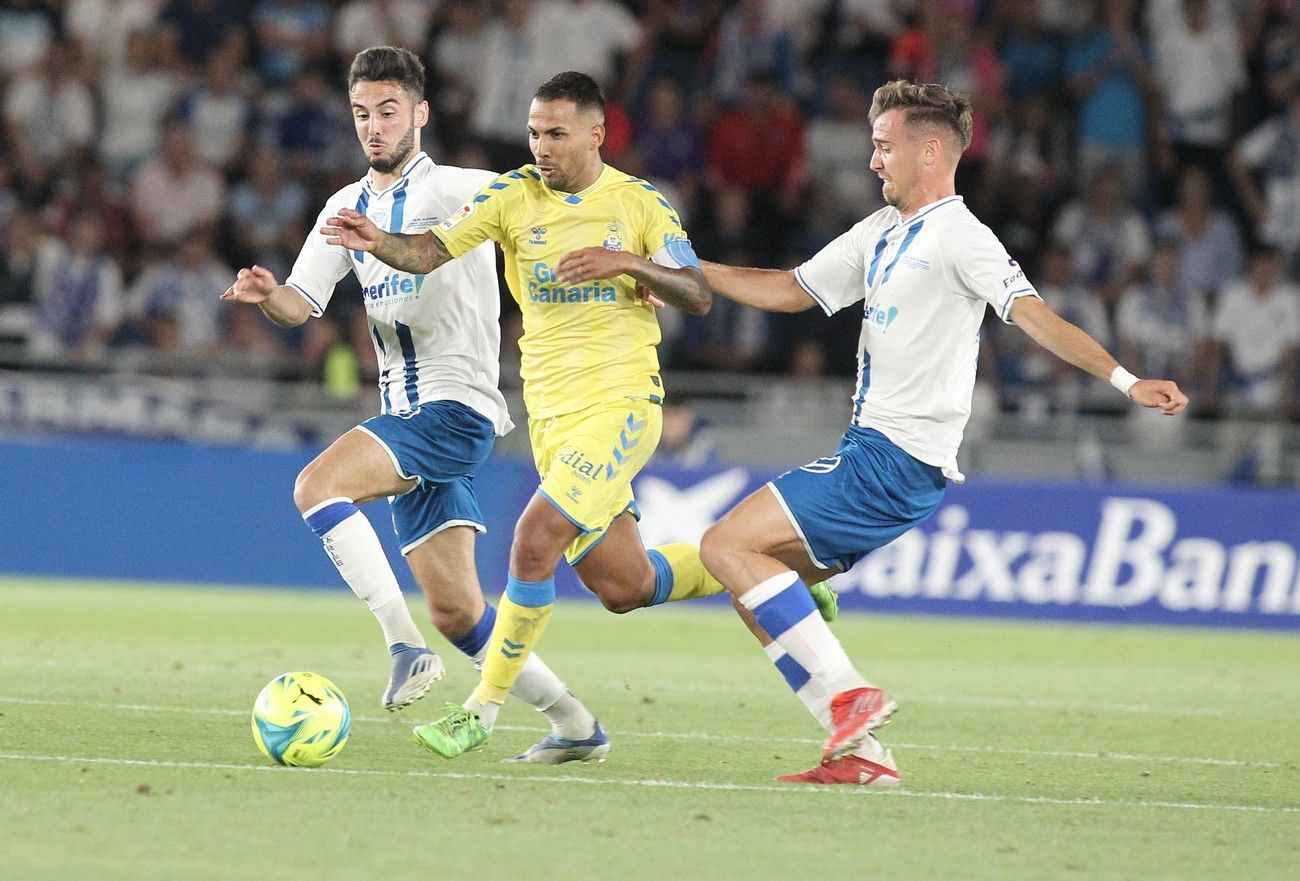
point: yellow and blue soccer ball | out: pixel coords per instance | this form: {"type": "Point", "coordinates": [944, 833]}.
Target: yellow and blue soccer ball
{"type": "Point", "coordinates": [301, 719]}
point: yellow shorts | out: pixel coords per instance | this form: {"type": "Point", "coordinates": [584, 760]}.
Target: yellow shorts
{"type": "Point", "coordinates": [587, 461]}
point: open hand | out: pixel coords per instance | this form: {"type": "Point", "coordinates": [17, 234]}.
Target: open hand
{"type": "Point", "coordinates": [589, 264]}
{"type": "Point", "coordinates": [351, 229]}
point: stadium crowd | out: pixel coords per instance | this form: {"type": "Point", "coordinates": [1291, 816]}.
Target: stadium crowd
{"type": "Point", "coordinates": [1140, 160]}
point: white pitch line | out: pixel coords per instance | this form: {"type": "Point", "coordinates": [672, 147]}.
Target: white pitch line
{"type": "Point", "coordinates": [694, 735]}
{"type": "Point", "coordinates": [668, 784]}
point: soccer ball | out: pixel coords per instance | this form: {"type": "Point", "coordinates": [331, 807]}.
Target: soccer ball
{"type": "Point", "coordinates": [301, 719]}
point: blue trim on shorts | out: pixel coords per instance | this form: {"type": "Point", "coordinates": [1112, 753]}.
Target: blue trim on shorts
{"type": "Point", "coordinates": [556, 505]}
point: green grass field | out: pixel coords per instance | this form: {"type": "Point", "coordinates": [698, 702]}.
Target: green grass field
{"type": "Point", "coordinates": [1027, 751]}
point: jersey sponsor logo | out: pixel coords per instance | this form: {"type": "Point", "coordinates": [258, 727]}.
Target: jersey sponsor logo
{"type": "Point", "coordinates": [879, 319]}
{"type": "Point", "coordinates": [583, 468]}
{"type": "Point", "coordinates": [1018, 275]}
{"type": "Point", "coordinates": [546, 287]}
{"type": "Point", "coordinates": [461, 213]}
{"type": "Point", "coordinates": [396, 288]}
{"type": "Point", "coordinates": [539, 236]}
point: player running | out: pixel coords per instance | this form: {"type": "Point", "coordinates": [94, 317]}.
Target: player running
{"type": "Point", "coordinates": [587, 249]}
{"type": "Point", "coordinates": [927, 269]}
{"type": "Point", "coordinates": [437, 341]}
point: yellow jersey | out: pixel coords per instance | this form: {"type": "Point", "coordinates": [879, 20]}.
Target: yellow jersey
{"type": "Point", "coordinates": [582, 344]}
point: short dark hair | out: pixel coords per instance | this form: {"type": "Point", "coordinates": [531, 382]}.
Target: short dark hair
{"type": "Point", "coordinates": [573, 86]}
{"type": "Point", "coordinates": [927, 104]}
{"type": "Point", "coordinates": [389, 64]}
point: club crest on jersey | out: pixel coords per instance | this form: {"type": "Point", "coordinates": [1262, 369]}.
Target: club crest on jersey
{"type": "Point", "coordinates": [380, 217]}
{"type": "Point", "coordinates": [461, 213]}
{"type": "Point", "coordinates": [613, 236]}
{"type": "Point", "coordinates": [539, 236]}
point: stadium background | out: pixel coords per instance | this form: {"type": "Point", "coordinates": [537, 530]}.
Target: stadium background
{"type": "Point", "coordinates": [1142, 161]}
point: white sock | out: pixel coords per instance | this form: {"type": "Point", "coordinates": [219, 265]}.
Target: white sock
{"type": "Point", "coordinates": [355, 549]}
{"type": "Point", "coordinates": [784, 609]}
{"type": "Point", "coordinates": [813, 693]}
{"type": "Point", "coordinates": [538, 685]}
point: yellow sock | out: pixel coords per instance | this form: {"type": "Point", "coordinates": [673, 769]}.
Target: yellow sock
{"type": "Point", "coordinates": [521, 620]}
{"type": "Point", "coordinates": [679, 574]}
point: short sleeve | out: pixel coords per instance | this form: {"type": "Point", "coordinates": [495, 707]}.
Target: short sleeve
{"type": "Point", "coordinates": [981, 269]}
{"type": "Point", "coordinates": [834, 276]}
{"type": "Point", "coordinates": [662, 237]}
{"type": "Point", "coordinates": [481, 217]}
{"type": "Point", "coordinates": [319, 267]}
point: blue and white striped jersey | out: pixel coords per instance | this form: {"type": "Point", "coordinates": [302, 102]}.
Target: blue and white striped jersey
{"type": "Point", "coordinates": [436, 336]}
{"type": "Point", "coordinates": [925, 282]}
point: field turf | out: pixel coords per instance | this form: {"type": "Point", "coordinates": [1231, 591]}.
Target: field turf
{"type": "Point", "coordinates": [1027, 751]}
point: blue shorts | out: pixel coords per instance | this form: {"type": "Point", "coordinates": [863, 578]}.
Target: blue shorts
{"type": "Point", "coordinates": [440, 445]}
{"type": "Point", "coordinates": [862, 498]}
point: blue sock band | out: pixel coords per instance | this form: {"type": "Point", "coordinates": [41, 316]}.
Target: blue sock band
{"type": "Point", "coordinates": [785, 610]}
{"type": "Point", "coordinates": [663, 577]}
{"type": "Point", "coordinates": [795, 675]}
{"type": "Point", "coordinates": [472, 643]}
{"type": "Point", "coordinates": [328, 517]}
{"type": "Point", "coordinates": [532, 593]}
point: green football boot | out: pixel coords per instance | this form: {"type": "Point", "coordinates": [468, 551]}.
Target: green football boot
{"type": "Point", "coordinates": [456, 733]}
{"type": "Point", "coordinates": [827, 600]}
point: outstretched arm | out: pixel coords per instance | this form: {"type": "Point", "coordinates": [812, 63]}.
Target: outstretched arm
{"type": "Point", "coordinates": [684, 288]}
{"type": "Point", "coordinates": [420, 253]}
{"type": "Point", "coordinates": [772, 290]}
{"type": "Point", "coordinates": [1072, 344]}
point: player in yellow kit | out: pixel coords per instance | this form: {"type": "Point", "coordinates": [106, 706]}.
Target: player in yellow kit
{"type": "Point", "coordinates": [587, 249]}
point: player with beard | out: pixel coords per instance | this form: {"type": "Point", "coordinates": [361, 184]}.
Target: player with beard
{"type": "Point", "coordinates": [437, 342]}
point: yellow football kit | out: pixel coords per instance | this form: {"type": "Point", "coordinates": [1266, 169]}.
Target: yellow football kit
{"type": "Point", "coordinates": [589, 365]}
{"type": "Point", "coordinates": [590, 372]}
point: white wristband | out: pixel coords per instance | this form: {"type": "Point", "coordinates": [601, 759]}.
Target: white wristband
{"type": "Point", "coordinates": [1123, 380]}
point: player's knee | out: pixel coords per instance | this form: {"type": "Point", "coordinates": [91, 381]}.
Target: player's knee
{"type": "Point", "coordinates": [307, 490]}
{"type": "Point", "coordinates": [715, 548]}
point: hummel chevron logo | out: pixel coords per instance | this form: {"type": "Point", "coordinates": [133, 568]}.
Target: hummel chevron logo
{"type": "Point", "coordinates": [517, 646]}
{"type": "Point", "coordinates": [632, 424]}
{"type": "Point", "coordinates": [513, 645]}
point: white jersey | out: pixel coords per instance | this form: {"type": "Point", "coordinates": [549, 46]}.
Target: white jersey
{"type": "Point", "coordinates": [436, 336]}
{"type": "Point", "coordinates": [926, 282]}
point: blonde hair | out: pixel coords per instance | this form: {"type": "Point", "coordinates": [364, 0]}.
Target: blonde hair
{"type": "Point", "coordinates": [926, 104]}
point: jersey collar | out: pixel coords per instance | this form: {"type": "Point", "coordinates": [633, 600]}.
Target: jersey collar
{"type": "Point", "coordinates": [946, 200]}
{"type": "Point", "coordinates": [578, 198]}
{"type": "Point", "coordinates": [411, 164]}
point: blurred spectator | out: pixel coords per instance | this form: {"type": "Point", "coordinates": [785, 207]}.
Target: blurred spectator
{"type": "Point", "coordinates": [314, 131]}
{"type": "Point", "coordinates": [176, 191]}
{"type": "Point", "coordinates": [1108, 75]}
{"type": "Point", "coordinates": [135, 97]}
{"type": "Point", "coordinates": [1281, 60]}
{"type": "Point", "coordinates": [174, 306]}
{"type": "Point", "coordinates": [49, 115]}
{"type": "Point", "coordinates": [1032, 153]}
{"type": "Point", "coordinates": [751, 40]}
{"type": "Point", "coordinates": [101, 27]}
{"type": "Point", "coordinates": [27, 29]}
{"type": "Point", "coordinates": [361, 24]}
{"type": "Point", "coordinates": [671, 144]}
{"type": "Point", "coordinates": [291, 34]}
{"type": "Point", "coordinates": [265, 203]}
{"type": "Point", "coordinates": [758, 147]}
{"type": "Point", "coordinates": [1272, 151]}
{"type": "Point", "coordinates": [1257, 331]}
{"type": "Point", "coordinates": [219, 112]}
{"type": "Point", "coordinates": [506, 82]}
{"type": "Point", "coordinates": [90, 189]}
{"type": "Point", "coordinates": [1209, 249]}
{"type": "Point", "coordinates": [1108, 237]}
{"type": "Point", "coordinates": [1200, 68]}
{"type": "Point", "coordinates": [1032, 55]}
{"type": "Point", "coordinates": [1163, 327]}
{"type": "Point", "coordinates": [681, 31]}
{"type": "Point", "coordinates": [839, 150]}
{"type": "Point", "coordinates": [78, 293]}
{"type": "Point", "coordinates": [686, 441]}
{"type": "Point", "coordinates": [18, 315]}
{"type": "Point", "coordinates": [202, 27]}
{"type": "Point", "coordinates": [454, 58]}
{"type": "Point", "coordinates": [610, 35]}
